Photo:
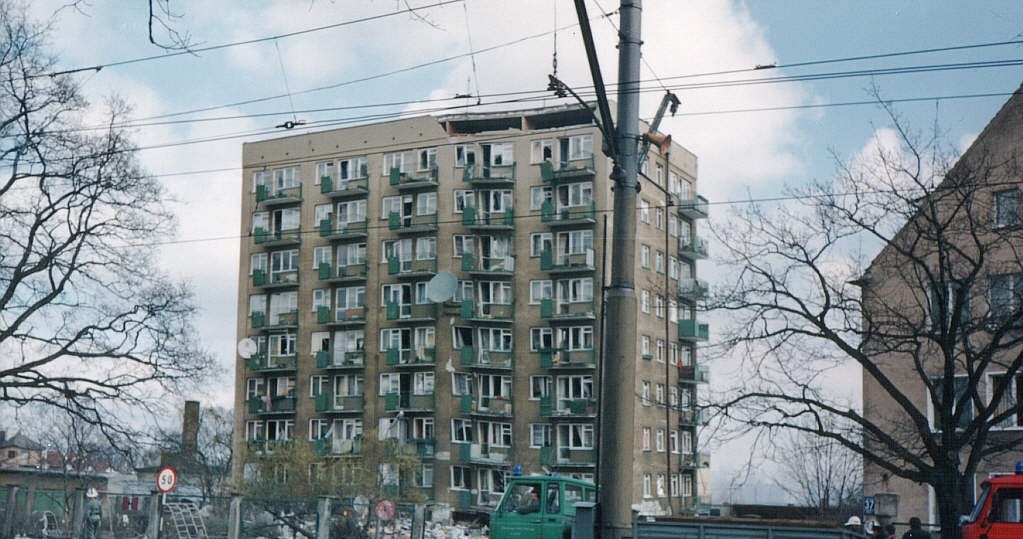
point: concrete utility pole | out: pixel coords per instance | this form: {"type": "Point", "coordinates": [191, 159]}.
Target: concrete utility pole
{"type": "Point", "coordinates": [617, 420]}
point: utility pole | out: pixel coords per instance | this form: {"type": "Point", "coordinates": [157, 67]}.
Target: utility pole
{"type": "Point", "coordinates": [617, 420]}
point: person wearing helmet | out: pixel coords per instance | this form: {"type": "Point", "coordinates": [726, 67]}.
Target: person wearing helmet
{"type": "Point", "coordinates": [853, 524]}
{"type": "Point", "coordinates": [916, 530]}
{"type": "Point", "coordinates": [93, 514]}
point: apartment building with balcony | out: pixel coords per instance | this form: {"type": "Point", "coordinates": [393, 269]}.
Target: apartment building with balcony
{"type": "Point", "coordinates": [343, 233]}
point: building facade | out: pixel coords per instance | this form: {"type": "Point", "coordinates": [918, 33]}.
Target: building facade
{"type": "Point", "coordinates": [437, 280]}
{"type": "Point", "coordinates": [969, 298]}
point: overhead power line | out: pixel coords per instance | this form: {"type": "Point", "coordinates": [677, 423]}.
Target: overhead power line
{"type": "Point", "coordinates": [194, 51]}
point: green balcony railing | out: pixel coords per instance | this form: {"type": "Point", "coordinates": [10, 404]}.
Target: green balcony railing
{"type": "Point", "coordinates": [550, 309]}
{"type": "Point", "coordinates": [337, 188]}
{"type": "Point", "coordinates": [692, 289]}
{"type": "Point", "coordinates": [401, 179]}
{"type": "Point", "coordinates": [286, 195]}
{"type": "Point", "coordinates": [325, 359]}
{"type": "Point", "coordinates": [340, 403]}
{"type": "Point", "coordinates": [396, 266]}
{"type": "Point", "coordinates": [477, 218]}
{"type": "Point", "coordinates": [569, 215]}
{"type": "Point", "coordinates": [258, 277]}
{"type": "Point", "coordinates": [471, 310]}
{"type": "Point", "coordinates": [480, 174]}
{"type": "Point", "coordinates": [349, 315]}
{"type": "Point", "coordinates": [692, 330]}
{"type": "Point", "coordinates": [585, 261]}
{"type": "Point", "coordinates": [412, 223]}
{"type": "Point", "coordinates": [570, 170]}
{"type": "Point", "coordinates": [333, 230]}
{"type": "Point", "coordinates": [694, 247]}
{"type": "Point", "coordinates": [405, 400]}
{"type": "Point", "coordinates": [258, 320]}
{"type": "Point", "coordinates": [470, 356]}
{"type": "Point", "coordinates": [263, 362]}
{"type": "Point", "coordinates": [563, 358]}
{"type": "Point", "coordinates": [695, 207]}
{"type": "Point", "coordinates": [338, 446]}
{"type": "Point", "coordinates": [328, 272]}
{"type": "Point", "coordinates": [410, 311]}
{"type": "Point", "coordinates": [263, 405]}
{"type": "Point", "coordinates": [419, 356]}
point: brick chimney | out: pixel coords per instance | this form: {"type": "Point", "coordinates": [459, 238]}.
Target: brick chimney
{"type": "Point", "coordinates": [190, 428]}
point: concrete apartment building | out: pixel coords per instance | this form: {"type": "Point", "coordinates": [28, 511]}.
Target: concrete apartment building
{"type": "Point", "coordinates": [344, 235]}
{"type": "Point", "coordinates": [991, 219]}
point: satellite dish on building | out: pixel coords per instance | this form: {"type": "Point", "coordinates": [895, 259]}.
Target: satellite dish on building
{"type": "Point", "coordinates": [441, 287]}
{"type": "Point", "coordinates": [246, 347]}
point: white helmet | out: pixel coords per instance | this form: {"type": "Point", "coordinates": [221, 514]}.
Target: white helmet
{"type": "Point", "coordinates": [853, 521]}
{"type": "Point", "coordinates": [91, 493]}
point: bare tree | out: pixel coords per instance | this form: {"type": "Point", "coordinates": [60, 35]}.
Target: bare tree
{"type": "Point", "coordinates": [88, 322]}
{"type": "Point", "coordinates": [213, 452]}
{"type": "Point", "coordinates": [818, 473]}
{"type": "Point", "coordinates": [931, 322]}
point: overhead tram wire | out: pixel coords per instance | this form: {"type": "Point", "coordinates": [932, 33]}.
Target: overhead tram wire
{"type": "Point", "coordinates": [195, 51]}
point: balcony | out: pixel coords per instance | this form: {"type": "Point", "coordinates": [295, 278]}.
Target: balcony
{"type": "Point", "coordinates": [406, 182]}
{"type": "Point", "coordinates": [420, 357]}
{"type": "Point", "coordinates": [695, 460]}
{"type": "Point", "coordinates": [423, 447]}
{"type": "Point", "coordinates": [340, 403]}
{"type": "Point", "coordinates": [694, 208]}
{"type": "Point", "coordinates": [489, 175]}
{"type": "Point", "coordinates": [280, 279]}
{"type": "Point", "coordinates": [412, 224]}
{"type": "Point", "coordinates": [694, 248]}
{"type": "Point", "coordinates": [408, 402]}
{"type": "Point", "coordinates": [578, 169]}
{"type": "Point", "coordinates": [483, 220]}
{"type": "Point", "coordinates": [692, 330]}
{"type": "Point", "coordinates": [342, 274]}
{"type": "Point", "coordinates": [411, 268]}
{"type": "Point", "coordinates": [486, 406]}
{"type": "Point", "coordinates": [584, 262]}
{"type": "Point", "coordinates": [406, 312]}
{"type": "Point", "coordinates": [692, 289]}
{"type": "Point", "coordinates": [567, 311]}
{"type": "Point", "coordinates": [338, 189]}
{"type": "Point", "coordinates": [563, 456]}
{"type": "Point", "coordinates": [556, 358]}
{"type": "Point", "coordinates": [487, 312]}
{"type": "Point", "coordinates": [340, 360]}
{"type": "Point", "coordinates": [335, 230]}
{"type": "Point", "coordinates": [695, 375]}
{"type": "Point", "coordinates": [269, 446]}
{"type": "Point", "coordinates": [271, 405]}
{"type": "Point", "coordinates": [568, 408]}
{"type": "Point", "coordinates": [486, 359]}
{"type": "Point", "coordinates": [287, 320]}
{"type": "Point", "coordinates": [486, 454]}
{"type": "Point", "coordinates": [691, 417]}
{"type": "Point", "coordinates": [353, 316]}
{"type": "Point", "coordinates": [277, 238]}
{"type": "Point", "coordinates": [264, 363]}
{"type": "Point", "coordinates": [332, 447]}
{"type": "Point", "coordinates": [487, 266]}
{"type": "Point", "coordinates": [569, 215]}
{"type": "Point", "coordinates": [278, 197]}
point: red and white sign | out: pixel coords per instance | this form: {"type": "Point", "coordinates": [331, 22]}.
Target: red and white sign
{"type": "Point", "coordinates": [385, 510]}
{"type": "Point", "coordinates": [166, 479]}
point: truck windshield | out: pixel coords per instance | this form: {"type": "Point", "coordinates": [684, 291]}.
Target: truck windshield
{"type": "Point", "coordinates": [522, 498]}
{"type": "Point", "coordinates": [980, 504]}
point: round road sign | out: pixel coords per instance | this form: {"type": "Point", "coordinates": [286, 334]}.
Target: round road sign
{"type": "Point", "coordinates": [166, 479]}
{"type": "Point", "coordinates": [385, 510]}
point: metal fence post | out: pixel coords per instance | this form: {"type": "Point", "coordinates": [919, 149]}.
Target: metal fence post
{"type": "Point", "coordinates": [323, 518]}
{"type": "Point", "coordinates": [234, 521]}
{"type": "Point", "coordinates": [153, 522]}
{"type": "Point", "coordinates": [77, 513]}
{"type": "Point", "coordinates": [8, 522]}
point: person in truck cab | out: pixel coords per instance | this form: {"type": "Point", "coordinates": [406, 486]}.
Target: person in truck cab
{"type": "Point", "coordinates": [916, 530]}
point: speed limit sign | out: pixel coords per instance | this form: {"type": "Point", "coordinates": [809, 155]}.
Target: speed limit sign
{"type": "Point", "coordinates": [166, 479]}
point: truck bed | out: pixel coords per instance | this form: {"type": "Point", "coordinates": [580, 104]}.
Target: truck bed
{"type": "Point", "coordinates": [738, 528]}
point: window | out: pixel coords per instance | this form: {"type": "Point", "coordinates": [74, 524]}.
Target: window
{"type": "Point", "coordinates": [659, 441]}
{"type": "Point", "coordinates": [389, 205]}
{"type": "Point", "coordinates": [959, 387]}
{"type": "Point", "coordinates": [351, 254]}
{"type": "Point", "coordinates": [541, 150]}
{"type": "Point", "coordinates": [645, 440]}
{"type": "Point", "coordinates": [644, 256]}
{"type": "Point", "coordinates": [462, 245]}
{"type": "Point", "coordinates": [399, 160]}
{"type": "Point", "coordinates": [318, 340]}
{"type": "Point", "coordinates": [461, 430]}
{"type": "Point", "coordinates": [540, 339]}
{"type": "Point", "coordinates": [580, 147]}
{"type": "Point", "coordinates": [644, 211]}
{"type": "Point", "coordinates": [427, 159]}
{"type": "Point", "coordinates": [321, 298]}
{"type": "Point", "coordinates": [426, 248]}
{"type": "Point", "coordinates": [644, 396]}
{"type": "Point", "coordinates": [574, 388]}
{"type": "Point", "coordinates": [352, 297]}
{"type": "Point", "coordinates": [354, 167]}
{"type": "Point", "coordinates": [465, 155]}
{"type": "Point", "coordinates": [659, 306]}
{"type": "Point", "coordinates": [539, 195]}
{"type": "Point", "coordinates": [575, 436]}
{"type": "Point", "coordinates": [461, 477]}
{"type": "Point", "coordinates": [673, 442]}
{"type": "Point", "coordinates": [1005, 296]}
{"type": "Point", "coordinates": [659, 218]}
{"type": "Point", "coordinates": [500, 153]}
{"type": "Point", "coordinates": [540, 242]}
{"type": "Point", "coordinates": [318, 385]}
{"type": "Point", "coordinates": [1011, 395]}
{"type": "Point", "coordinates": [494, 385]}
{"type": "Point", "coordinates": [540, 290]}
{"type": "Point", "coordinates": [673, 226]}
{"type": "Point", "coordinates": [426, 204]}
{"type": "Point", "coordinates": [321, 255]}
{"type": "Point", "coordinates": [324, 170]}
{"type": "Point", "coordinates": [260, 178]}
{"type": "Point", "coordinates": [424, 475]}
{"type": "Point", "coordinates": [321, 212]}
{"type": "Point", "coordinates": [1007, 208]}
{"type": "Point", "coordinates": [286, 178]}
{"type": "Point", "coordinates": [660, 484]}
{"type": "Point", "coordinates": [539, 386]}
{"type": "Point", "coordinates": [659, 261]}
{"type": "Point", "coordinates": [463, 199]}
{"type": "Point", "coordinates": [257, 263]}
{"type": "Point", "coordinates": [644, 346]}
{"type": "Point", "coordinates": [646, 485]}
{"type": "Point", "coordinates": [659, 393]}
{"type": "Point", "coordinates": [575, 338]}
{"type": "Point", "coordinates": [461, 383]}
{"type": "Point", "coordinates": [390, 382]}
{"type": "Point", "coordinates": [575, 290]}
{"type": "Point", "coordinates": [352, 211]}
{"type": "Point", "coordinates": [540, 435]}
{"type": "Point", "coordinates": [498, 434]}
{"type": "Point", "coordinates": [644, 301]}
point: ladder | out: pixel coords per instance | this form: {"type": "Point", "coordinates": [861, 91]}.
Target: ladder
{"type": "Point", "coordinates": [185, 520]}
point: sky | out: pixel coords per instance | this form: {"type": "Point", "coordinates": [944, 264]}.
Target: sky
{"type": "Point", "coordinates": [341, 62]}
